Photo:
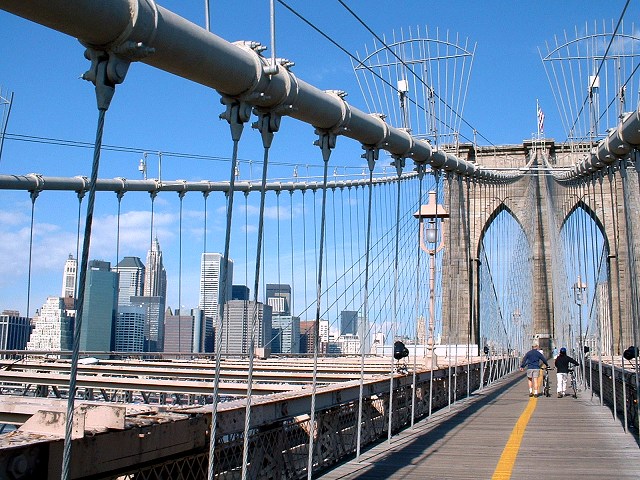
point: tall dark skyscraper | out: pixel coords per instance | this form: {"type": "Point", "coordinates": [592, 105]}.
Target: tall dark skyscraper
{"type": "Point", "coordinates": [100, 303]}
{"type": "Point", "coordinates": [14, 331]}
{"type": "Point", "coordinates": [348, 322]}
{"type": "Point", "coordinates": [240, 292]}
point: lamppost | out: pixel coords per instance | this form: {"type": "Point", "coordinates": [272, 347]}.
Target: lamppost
{"type": "Point", "coordinates": [519, 334]}
{"type": "Point", "coordinates": [578, 296]}
{"type": "Point", "coordinates": [429, 232]}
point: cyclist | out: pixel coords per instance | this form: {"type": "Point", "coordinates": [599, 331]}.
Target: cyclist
{"type": "Point", "coordinates": [531, 361]}
{"type": "Point", "coordinates": [562, 366]}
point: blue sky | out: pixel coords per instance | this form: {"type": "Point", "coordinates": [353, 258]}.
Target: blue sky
{"type": "Point", "coordinates": [155, 111]}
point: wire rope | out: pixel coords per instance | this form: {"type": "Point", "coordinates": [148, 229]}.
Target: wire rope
{"type": "Point", "coordinates": [235, 118]}
{"type": "Point", "coordinates": [66, 458]}
{"type": "Point", "coordinates": [324, 142]}
{"type": "Point", "coordinates": [254, 329]}
{"type": "Point", "coordinates": [33, 195]}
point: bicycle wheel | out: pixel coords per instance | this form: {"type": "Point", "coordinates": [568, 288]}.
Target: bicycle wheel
{"type": "Point", "coordinates": [547, 389]}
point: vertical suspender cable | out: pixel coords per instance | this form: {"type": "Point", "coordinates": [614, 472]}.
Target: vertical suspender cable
{"type": "Point", "coordinates": [267, 136]}
{"type": "Point", "coordinates": [635, 308]}
{"type": "Point", "coordinates": [236, 114]}
{"type": "Point", "coordinates": [80, 197]}
{"type": "Point", "coordinates": [105, 88]}
{"type": "Point", "coordinates": [371, 155]}
{"type": "Point", "coordinates": [181, 313]}
{"type": "Point", "coordinates": [616, 245]}
{"type": "Point", "coordinates": [205, 196]}
{"type": "Point", "coordinates": [420, 169]}
{"type": "Point", "coordinates": [451, 375]}
{"type": "Point", "coordinates": [66, 459]}
{"type": "Point", "coordinates": [293, 283]}
{"type": "Point", "coordinates": [398, 162]}
{"type": "Point", "coordinates": [147, 326]}
{"type": "Point", "coordinates": [608, 245]}
{"type": "Point", "coordinates": [34, 195]}
{"type": "Point", "coordinates": [119, 194]}
{"type": "Point", "coordinates": [326, 142]}
{"type": "Point", "coordinates": [473, 263]}
{"type": "Point", "coordinates": [468, 265]}
{"type": "Point", "coordinates": [207, 16]}
{"type": "Point", "coordinates": [636, 317]}
{"type": "Point", "coordinates": [448, 293]}
{"type": "Point", "coordinates": [432, 293]}
{"type": "Point", "coordinates": [596, 270]}
{"type": "Point", "coordinates": [304, 265]}
{"type": "Point", "coordinates": [335, 261]}
{"type": "Point", "coordinates": [480, 334]}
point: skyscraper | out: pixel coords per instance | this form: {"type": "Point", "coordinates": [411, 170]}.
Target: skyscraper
{"type": "Point", "coordinates": [364, 334]}
{"type": "Point", "coordinates": [285, 334]}
{"type": "Point", "coordinates": [69, 282]}
{"type": "Point", "coordinates": [155, 279]}
{"type": "Point", "coordinates": [179, 332]}
{"type": "Point", "coordinates": [153, 321]}
{"type": "Point", "coordinates": [279, 298]}
{"type": "Point", "coordinates": [99, 312]}
{"type": "Point", "coordinates": [236, 328]}
{"type": "Point", "coordinates": [307, 336]}
{"type": "Point", "coordinates": [130, 328]}
{"type": "Point", "coordinates": [53, 327]}
{"type": "Point", "coordinates": [210, 288]}
{"type": "Point", "coordinates": [14, 330]}
{"type": "Point", "coordinates": [348, 322]}
{"type": "Point", "coordinates": [239, 292]}
{"type": "Point", "coordinates": [131, 275]}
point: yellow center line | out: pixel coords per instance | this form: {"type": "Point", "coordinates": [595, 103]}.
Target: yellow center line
{"type": "Point", "coordinates": [510, 452]}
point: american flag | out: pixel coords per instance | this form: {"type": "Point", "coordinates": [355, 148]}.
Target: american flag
{"type": "Point", "coordinates": [540, 120]}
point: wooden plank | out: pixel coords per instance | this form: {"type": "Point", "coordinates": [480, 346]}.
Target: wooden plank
{"type": "Point", "coordinates": [565, 438]}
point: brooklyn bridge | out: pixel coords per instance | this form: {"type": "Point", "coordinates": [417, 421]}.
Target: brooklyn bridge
{"type": "Point", "coordinates": [421, 261]}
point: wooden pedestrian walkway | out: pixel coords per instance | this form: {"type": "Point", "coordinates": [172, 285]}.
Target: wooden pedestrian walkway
{"type": "Point", "coordinates": [564, 438]}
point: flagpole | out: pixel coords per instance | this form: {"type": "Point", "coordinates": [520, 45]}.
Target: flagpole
{"type": "Point", "coordinates": [537, 117]}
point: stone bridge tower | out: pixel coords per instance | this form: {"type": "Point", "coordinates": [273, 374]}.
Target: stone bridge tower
{"type": "Point", "coordinates": [540, 205]}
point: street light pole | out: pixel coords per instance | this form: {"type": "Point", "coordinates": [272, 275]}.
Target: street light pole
{"type": "Point", "coordinates": [430, 232]}
{"type": "Point", "coordinates": [432, 211]}
{"type": "Point", "coordinates": [518, 340]}
{"type": "Point", "coordinates": [578, 296]}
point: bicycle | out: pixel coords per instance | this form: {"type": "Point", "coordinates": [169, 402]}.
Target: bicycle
{"type": "Point", "coordinates": [573, 382]}
{"type": "Point", "coordinates": [546, 385]}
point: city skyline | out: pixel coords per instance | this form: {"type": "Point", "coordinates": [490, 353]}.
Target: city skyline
{"type": "Point", "coordinates": [116, 321]}
{"type": "Point", "coordinates": [196, 130]}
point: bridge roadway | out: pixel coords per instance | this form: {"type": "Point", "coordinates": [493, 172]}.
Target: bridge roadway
{"type": "Point", "coordinates": [477, 438]}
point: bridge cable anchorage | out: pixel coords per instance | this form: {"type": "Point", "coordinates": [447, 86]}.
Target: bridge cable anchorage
{"type": "Point", "coordinates": [370, 154]}
{"type": "Point", "coordinates": [327, 142]}
{"type": "Point", "coordinates": [237, 113]}
{"type": "Point", "coordinates": [106, 71]}
{"type": "Point", "coordinates": [268, 123]}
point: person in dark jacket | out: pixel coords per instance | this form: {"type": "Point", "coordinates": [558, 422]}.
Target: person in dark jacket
{"type": "Point", "coordinates": [562, 370]}
{"type": "Point", "coordinates": [531, 363]}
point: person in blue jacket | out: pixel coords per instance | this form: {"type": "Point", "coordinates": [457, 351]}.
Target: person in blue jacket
{"type": "Point", "coordinates": [531, 363]}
